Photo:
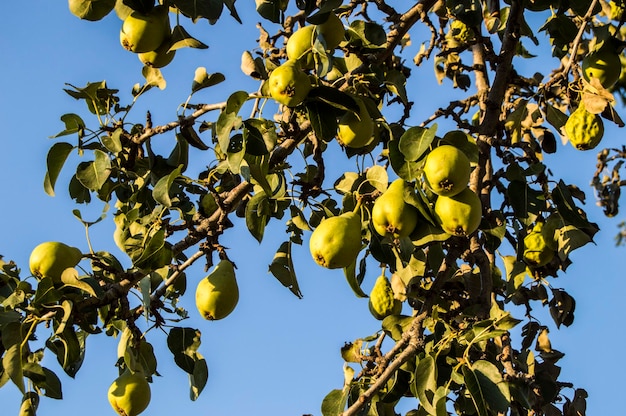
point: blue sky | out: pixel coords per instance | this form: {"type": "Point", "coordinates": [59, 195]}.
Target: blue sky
{"type": "Point", "coordinates": [276, 354]}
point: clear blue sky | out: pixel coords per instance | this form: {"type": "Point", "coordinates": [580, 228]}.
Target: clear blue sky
{"type": "Point", "coordinates": [275, 355]}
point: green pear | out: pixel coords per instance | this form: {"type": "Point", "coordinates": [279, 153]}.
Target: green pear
{"type": "Point", "coordinates": [459, 214]}
{"type": "Point", "coordinates": [391, 215]}
{"type": "Point", "coordinates": [381, 300]}
{"type": "Point", "coordinates": [129, 394]}
{"type": "Point", "coordinates": [51, 258]}
{"type": "Point", "coordinates": [447, 170]}
{"type": "Point", "coordinates": [218, 293]}
{"type": "Point", "coordinates": [91, 10]}
{"type": "Point", "coordinates": [336, 242]}
{"type": "Point", "coordinates": [145, 32]}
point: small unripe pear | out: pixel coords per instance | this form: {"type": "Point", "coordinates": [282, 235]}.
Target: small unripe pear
{"type": "Point", "coordinates": [218, 293]}
{"type": "Point", "coordinates": [51, 258]}
{"type": "Point", "coordinates": [129, 394]}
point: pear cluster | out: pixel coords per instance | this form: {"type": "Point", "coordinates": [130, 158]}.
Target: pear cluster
{"type": "Point", "coordinates": [446, 173]}
{"type": "Point", "coordinates": [149, 36]}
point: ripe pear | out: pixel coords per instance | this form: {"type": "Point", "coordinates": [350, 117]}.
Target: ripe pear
{"type": "Point", "coordinates": [333, 31]}
{"type": "Point", "coordinates": [289, 84]}
{"type": "Point", "coordinates": [336, 242]}
{"type": "Point", "coordinates": [145, 32]}
{"type": "Point", "coordinates": [300, 44]}
{"type": "Point", "coordinates": [218, 293]}
{"type": "Point", "coordinates": [356, 130]}
{"type": "Point", "coordinates": [49, 259]}
{"type": "Point", "coordinates": [159, 57]}
{"type": "Point", "coordinates": [447, 170]}
{"type": "Point", "coordinates": [459, 214]}
{"type": "Point", "coordinates": [391, 215]}
{"type": "Point", "coordinates": [129, 394]}
{"type": "Point", "coordinates": [91, 10]}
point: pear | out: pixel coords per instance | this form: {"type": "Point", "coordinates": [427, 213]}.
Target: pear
{"type": "Point", "coordinates": [289, 84]}
{"type": "Point", "coordinates": [354, 130]}
{"type": "Point", "coordinates": [145, 32]}
{"type": "Point", "coordinates": [336, 242]}
{"type": "Point", "coordinates": [129, 394]}
{"type": "Point", "coordinates": [381, 300]}
{"type": "Point", "coordinates": [391, 215]}
{"type": "Point", "coordinates": [459, 214]}
{"type": "Point", "coordinates": [218, 293]}
{"type": "Point", "coordinates": [51, 258]}
{"type": "Point", "coordinates": [447, 170]}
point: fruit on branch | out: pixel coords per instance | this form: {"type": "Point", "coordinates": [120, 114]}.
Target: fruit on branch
{"type": "Point", "coordinates": [288, 84]}
{"type": "Point", "coordinates": [336, 242]}
{"type": "Point", "coordinates": [145, 32]}
{"type": "Point", "coordinates": [537, 251]}
{"type": "Point", "coordinates": [299, 46]}
{"type": "Point", "coordinates": [218, 293]}
{"type": "Point", "coordinates": [356, 130]}
{"type": "Point", "coordinates": [91, 10]}
{"type": "Point", "coordinates": [584, 129]}
{"type": "Point", "coordinates": [381, 301]}
{"type": "Point", "coordinates": [459, 214]}
{"type": "Point", "coordinates": [603, 64]}
{"type": "Point", "coordinates": [129, 394]}
{"type": "Point", "coordinates": [159, 57]}
{"type": "Point", "coordinates": [51, 258]}
{"type": "Point", "coordinates": [392, 216]}
{"type": "Point", "coordinates": [332, 31]}
{"type": "Point", "coordinates": [447, 170]}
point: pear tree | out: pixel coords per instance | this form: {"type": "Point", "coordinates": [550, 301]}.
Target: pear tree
{"type": "Point", "coordinates": [459, 210]}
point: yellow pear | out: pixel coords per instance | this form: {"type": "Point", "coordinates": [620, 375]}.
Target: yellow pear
{"type": "Point", "coordinates": [49, 259]}
{"type": "Point", "coordinates": [129, 394]}
{"type": "Point", "coordinates": [391, 215]}
{"type": "Point", "coordinates": [145, 32]}
{"type": "Point", "coordinates": [300, 44]}
{"type": "Point", "coordinates": [336, 242]}
{"type": "Point", "coordinates": [447, 170]}
{"type": "Point", "coordinates": [218, 293]}
{"type": "Point", "coordinates": [289, 84]}
{"type": "Point", "coordinates": [356, 130]}
{"type": "Point", "coordinates": [459, 214]}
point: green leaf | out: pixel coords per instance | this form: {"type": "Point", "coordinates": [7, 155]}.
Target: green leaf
{"type": "Point", "coordinates": [323, 119]}
{"type": "Point", "coordinates": [161, 192]}
{"type": "Point", "coordinates": [182, 39]}
{"type": "Point", "coordinates": [57, 155]}
{"type": "Point", "coordinates": [69, 347]}
{"type": "Point", "coordinates": [51, 385]}
{"type": "Point", "coordinates": [415, 142]}
{"type": "Point", "coordinates": [487, 387]}
{"type": "Point", "coordinates": [334, 403]}
{"type": "Point", "coordinates": [183, 340]}
{"type": "Point", "coordinates": [257, 215]}
{"type": "Point", "coordinates": [73, 124]}
{"type": "Point", "coordinates": [12, 339]}
{"type": "Point", "coordinates": [425, 382]}
{"type": "Point", "coordinates": [46, 293]}
{"type": "Point", "coordinates": [396, 83]}
{"type": "Point", "coordinates": [353, 280]}
{"type": "Point", "coordinates": [154, 77]}
{"type": "Point", "coordinates": [202, 79]}
{"type": "Point", "coordinates": [228, 118]}
{"type": "Point", "coordinates": [70, 277]}
{"type": "Point", "coordinates": [93, 175]}
{"type": "Point", "coordinates": [283, 269]}
{"type": "Point", "coordinates": [195, 10]}
{"type": "Point", "coordinates": [199, 377]}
